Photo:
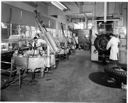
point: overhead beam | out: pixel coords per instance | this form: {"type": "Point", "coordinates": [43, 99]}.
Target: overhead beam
{"type": "Point", "coordinates": [105, 11]}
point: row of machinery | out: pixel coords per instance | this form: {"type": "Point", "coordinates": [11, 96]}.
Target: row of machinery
{"type": "Point", "coordinates": [42, 53]}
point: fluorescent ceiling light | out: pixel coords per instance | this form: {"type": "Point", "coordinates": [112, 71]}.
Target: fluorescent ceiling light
{"type": "Point", "coordinates": [59, 5]}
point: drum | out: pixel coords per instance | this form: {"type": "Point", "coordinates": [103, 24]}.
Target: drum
{"type": "Point", "coordinates": [30, 63]}
{"type": "Point", "coordinates": [36, 62]}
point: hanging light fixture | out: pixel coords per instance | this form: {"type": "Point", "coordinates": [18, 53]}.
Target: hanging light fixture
{"type": "Point", "coordinates": [59, 5]}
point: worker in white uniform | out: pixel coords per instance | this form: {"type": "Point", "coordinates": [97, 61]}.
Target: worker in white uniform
{"type": "Point", "coordinates": [38, 44]}
{"type": "Point", "coordinates": [113, 44]}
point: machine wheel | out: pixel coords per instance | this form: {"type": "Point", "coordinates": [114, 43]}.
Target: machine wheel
{"type": "Point", "coordinates": [101, 41]}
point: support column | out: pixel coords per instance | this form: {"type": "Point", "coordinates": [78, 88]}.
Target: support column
{"type": "Point", "coordinates": [126, 30]}
{"type": "Point", "coordinates": [48, 56]}
{"type": "Point", "coordinates": [105, 11]}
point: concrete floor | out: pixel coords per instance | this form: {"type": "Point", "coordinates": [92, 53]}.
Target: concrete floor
{"type": "Point", "coordinates": [75, 80]}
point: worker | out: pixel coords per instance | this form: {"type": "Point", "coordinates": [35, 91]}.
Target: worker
{"type": "Point", "coordinates": [39, 45]}
{"type": "Point", "coordinates": [113, 44]}
{"type": "Point", "coordinates": [38, 42]}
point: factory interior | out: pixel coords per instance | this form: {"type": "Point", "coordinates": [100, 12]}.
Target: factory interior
{"type": "Point", "coordinates": [62, 51]}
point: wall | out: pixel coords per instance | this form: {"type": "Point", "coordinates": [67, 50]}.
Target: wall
{"type": "Point", "coordinates": [5, 10]}
{"type": "Point", "coordinates": [18, 16]}
{"type": "Point", "coordinates": [27, 17]}
{"type": "Point", "coordinates": [61, 18]}
{"type": "Point", "coordinates": [52, 10]}
{"type": "Point", "coordinates": [123, 41]}
{"type": "Point", "coordinates": [124, 14]}
{"type": "Point", "coordinates": [44, 10]}
{"type": "Point", "coordinates": [112, 9]}
{"type": "Point", "coordinates": [22, 14]}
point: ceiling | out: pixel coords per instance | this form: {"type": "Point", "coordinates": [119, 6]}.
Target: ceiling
{"type": "Point", "coordinates": [92, 9]}
{"type": "Point", "coordinates": [82, 9]}
{"type": "Point", "coordinates": [76, 9]}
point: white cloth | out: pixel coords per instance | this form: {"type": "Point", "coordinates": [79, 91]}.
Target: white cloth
{"type": "Point", "coordinates": [39, 42]}
{"type": "Point", "coordinates": [113, 43]}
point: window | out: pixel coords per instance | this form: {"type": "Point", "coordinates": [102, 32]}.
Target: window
{"type": "Point", "coordinates": [5, 31]}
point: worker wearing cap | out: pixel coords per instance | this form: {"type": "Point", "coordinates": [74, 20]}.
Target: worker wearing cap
{"type": "Point", "coordinates": [39, 44]}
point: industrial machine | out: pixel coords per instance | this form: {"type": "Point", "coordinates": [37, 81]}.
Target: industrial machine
{"type": "Point", "coordinates": [100, 38]}
{"type": "Point", "coordinates": [100, 44]}
{"type": "Point", "coordinates": [117, 71]}
{"type": "Point", "coordinates": [29, 58]}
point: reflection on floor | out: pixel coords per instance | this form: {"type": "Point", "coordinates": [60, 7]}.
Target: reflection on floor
{"type": "Point", "coordinates": [75, 80]}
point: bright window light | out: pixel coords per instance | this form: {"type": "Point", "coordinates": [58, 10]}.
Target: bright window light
{"type": "Point", "coordinates": [90, 25]}
{"type": "Point", "coordinates": [3, 25]}
{"type": "Point", "coordinates": [79, 25]}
